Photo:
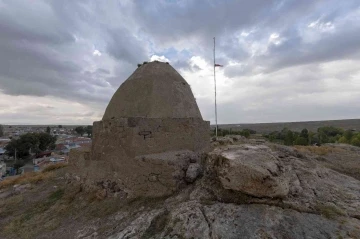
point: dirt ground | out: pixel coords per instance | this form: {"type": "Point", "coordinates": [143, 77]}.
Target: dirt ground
{"type": "Point", "coordinates": [54, 208]}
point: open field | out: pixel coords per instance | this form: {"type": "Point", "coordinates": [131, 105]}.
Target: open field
{"type": "Point", "coordinates": [295, 126]}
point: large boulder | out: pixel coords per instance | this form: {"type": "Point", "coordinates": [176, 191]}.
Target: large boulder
{"type": "Point", "coordinates": [252, 170]}
{"type": "Point", "coordinates": [150, 175]}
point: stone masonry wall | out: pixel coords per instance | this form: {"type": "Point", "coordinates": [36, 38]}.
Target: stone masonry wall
{"type": "Point", "coordinates": [140, 136]}
{"type": "Point", "coordinates": [143, 156]}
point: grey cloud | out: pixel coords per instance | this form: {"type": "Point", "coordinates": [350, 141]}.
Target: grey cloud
{"type": "Point", "coordinates": [42, 57]}
{"type": "Point", "coordinates": [202, 20]}
{"type": "Point", "coordinates": [181, 65]}
{"type": "Point", "coordinates": [236, 70]}
{"type": "Point", "coordinates": [186, 66]}
{"type": "Point", "coordinates": [21, 21]}
{"type": "Point", "coordinates": [330, 47]}
{"type": "Point", "coordinates": [199, 18]}
{"type": "Point", "coordinates": [124, 46]}
{"type": "Point", "coordinates": [46, 47]}
{"type": "Point", "coordinates": [121, 72]}
{"type": "Point", "coordinates": [103, 71]}
{"type": "Point", "coordinates": [269, 111]}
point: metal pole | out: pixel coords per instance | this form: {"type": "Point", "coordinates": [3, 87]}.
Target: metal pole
{"type": "Point", "coordinates": [216, 129]}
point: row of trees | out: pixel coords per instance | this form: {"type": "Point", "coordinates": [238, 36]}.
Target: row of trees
{"type": "Point", "coordinates": [48, 129]}
{"type": "Point", "coordinates": [327, 134]}
{"type": "Point", "coordinates": [245, 132]}
{"type": "Point", "coordinates": [30, 143]}
{"type": "Point", "coordinates": [349, 137]}
{"type": "Point", "coordinates": [81, 130]}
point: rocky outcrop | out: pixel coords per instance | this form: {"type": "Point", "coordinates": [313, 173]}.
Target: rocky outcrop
{"type": "Point", "coordinates": [252, 170]}
{"type": "Point", "coordinates": [258, 191]}
{"type": "Point", "coordinates": [220, 220]}
{"type": "Point", "coordinates": [244, 191]}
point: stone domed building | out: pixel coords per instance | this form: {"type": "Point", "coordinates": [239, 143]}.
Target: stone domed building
{"type": "Point", "coordinates": [154, 90]}
{"type": "Point", "coordinates": [151, 132]}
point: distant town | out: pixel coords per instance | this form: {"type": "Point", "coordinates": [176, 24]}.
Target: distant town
{"type": "Point", "coordinates": [30, 148]}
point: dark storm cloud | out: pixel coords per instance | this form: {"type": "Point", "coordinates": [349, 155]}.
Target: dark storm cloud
{"type": "Point", "coordinates": [201, 18]}
{"type": "Point", "coordinates": [342, 44]}
{"type": "Point", "coordinates": [33, 22]}
{"type": "Point", "coordinates": [205, 19]}
{"type": "Point", "coordinates": [83, 50]}
{"type": "Point", "coordinates": [124, 46]}
{"type": "Point", "coordinates": [41, 54]}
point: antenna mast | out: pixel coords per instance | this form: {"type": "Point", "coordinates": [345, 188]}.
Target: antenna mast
{"type": "Point", "coordinates": [216, 127]}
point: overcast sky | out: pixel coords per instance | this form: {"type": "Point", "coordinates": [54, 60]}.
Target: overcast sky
{"type": "Point", "coordinates": [284, 60]}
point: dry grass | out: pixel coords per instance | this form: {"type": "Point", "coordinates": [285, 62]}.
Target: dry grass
{"type": "Point", "coordinates": [10, 205]}
{"type": "Point", "coordinates": [26, 178]}
{"type": "Point", "coordinates": [329, 211]}
{"type": "Point", "coordinates": [322, 150]}
{"type": "Point", "coordinates": [52, 167]}
{"type": "Point", "coordinates": [33, 177]}
{"type": "Point", "coordinates": [27, 224]}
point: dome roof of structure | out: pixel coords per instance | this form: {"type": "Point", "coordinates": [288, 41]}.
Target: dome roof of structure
{"type": "Point", "coordinates": [154, 90]}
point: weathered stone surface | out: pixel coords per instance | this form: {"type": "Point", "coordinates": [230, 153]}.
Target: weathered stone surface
{"type": "Point", "coordinates": [154, 90]}
{"type": "Point", "coordinates": [263, 221]}
{"type": "Point", "coordinates": [220, 220]}
{"type": "Point", "coordinates": [253, 171]}
{"type": "Point", "coordinates": [187, 221]}
{"type": "Point", "coordinates": [151, 175]}
{"type": "Point", "coordinates": [130, 137]}
{"type": "Point", "coordinates": [193, 171]}
{"type": "Point", "coordinates": [139, 226]}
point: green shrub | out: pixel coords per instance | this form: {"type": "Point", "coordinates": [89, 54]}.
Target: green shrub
{"type": "Point", "coordinates": [355, 141]}
{"type": "Point", "coordinates": [343, 140]}
{"type": "Point", "coordinates": [301, 141]}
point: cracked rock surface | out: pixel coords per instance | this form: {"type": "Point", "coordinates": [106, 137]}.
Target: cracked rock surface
{"type": "Point", "coordinates": [259, 191]}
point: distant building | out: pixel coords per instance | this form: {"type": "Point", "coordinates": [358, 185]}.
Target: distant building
{"type": "Point", "coordinates": [2, 152]}
{"type": "Point", "coordinates": [60, 147]}
{"type": "Point", "coordinates": [27, 168]}
{"type": "Point", "coordinates": [56, 160]}
{"type": "Point", "coordinates": [77, 140]}
{"type": "Point", "coordinates": [64, 145]}
{"type": "Point", "coordinates": [36, 168]}
{"type": "Point", "coordinates": [70, 147]}
{"type": "Point", "coordinates": [44, 154]}
{"type": "Point", "coordinates": [2, 169]}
